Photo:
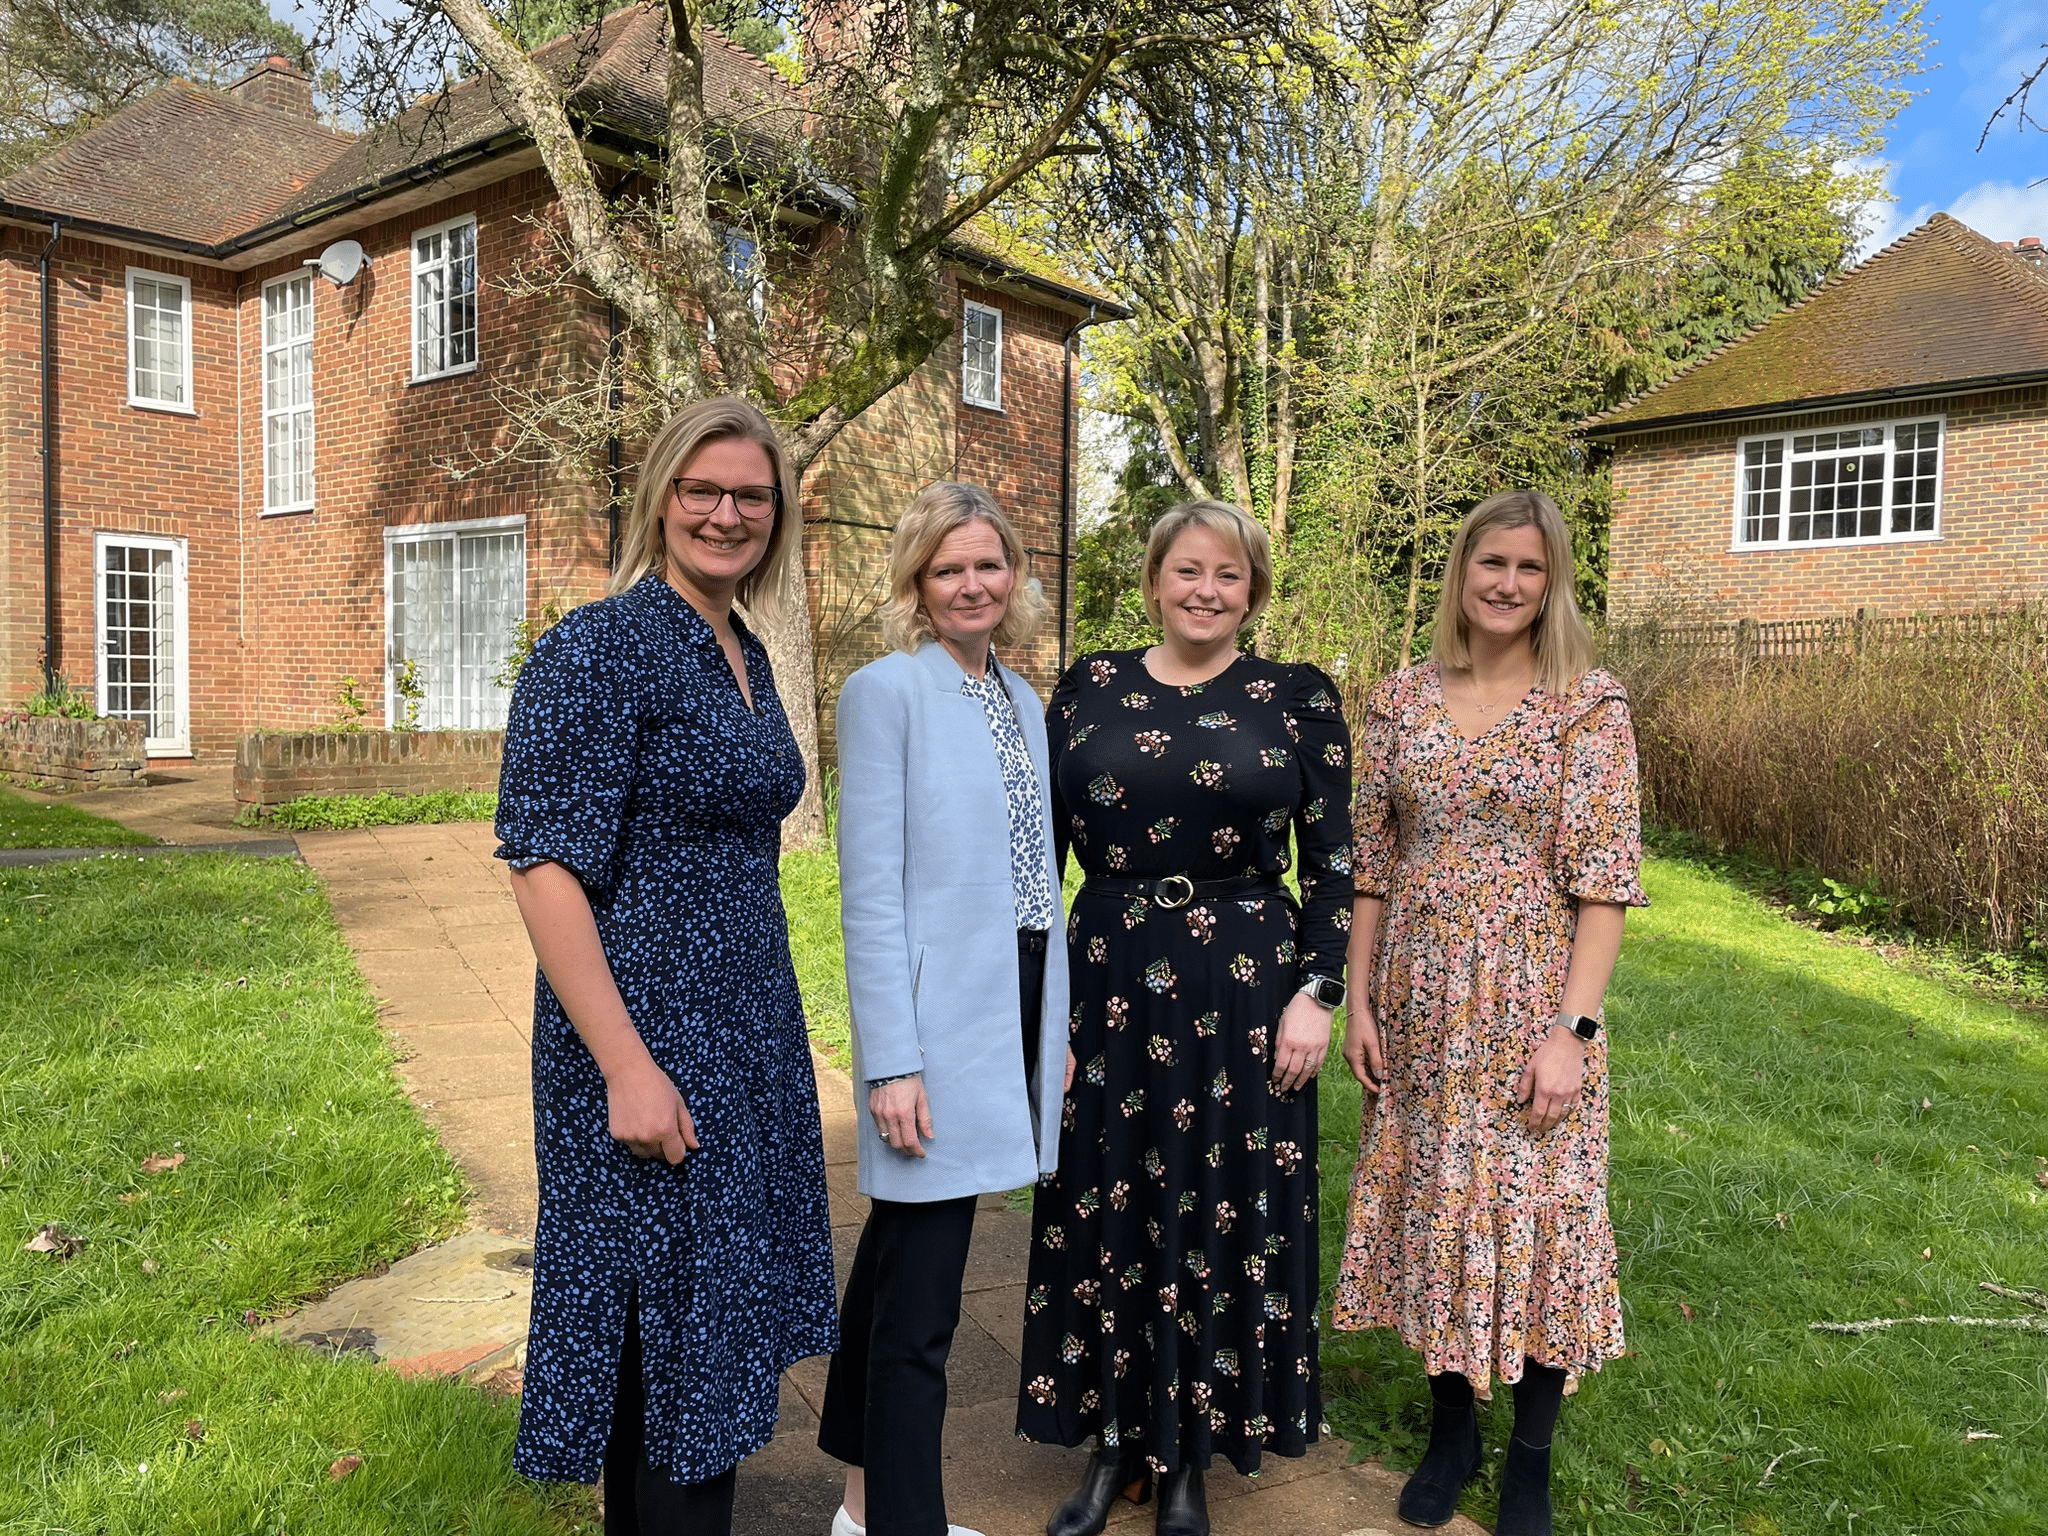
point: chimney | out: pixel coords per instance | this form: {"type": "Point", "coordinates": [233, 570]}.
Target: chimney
{"type": "Point", "coordinates": [2032, 252]}
{"type": "Point", "coordinates": [277, 84]}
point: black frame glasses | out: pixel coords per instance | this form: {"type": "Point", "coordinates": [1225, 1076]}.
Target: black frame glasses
{"type": "Point", "coordinates": [685, 487]}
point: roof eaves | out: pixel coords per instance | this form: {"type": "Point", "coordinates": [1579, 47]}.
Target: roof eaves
{"type": "Point", "coordinates": [1598, 426]}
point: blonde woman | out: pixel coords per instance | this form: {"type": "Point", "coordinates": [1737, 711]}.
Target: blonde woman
{"type": "Point", "coordinates": [948, 897]}
{"type": "Point", "coordinates": [1171, 1306]}
{"type": "Point", "coordinates": [683, 1256]}
{"type": "Point", "coordinates": [1497, 845]}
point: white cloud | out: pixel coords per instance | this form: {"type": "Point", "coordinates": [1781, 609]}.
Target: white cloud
{"type": "Point", "coordinates": [1881, 218]}
{"type": "Point", "coordinates": [2000, 210]}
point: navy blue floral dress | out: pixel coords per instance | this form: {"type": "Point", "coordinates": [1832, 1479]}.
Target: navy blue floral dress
{"type": "Point", "coordinates": [632, 760]}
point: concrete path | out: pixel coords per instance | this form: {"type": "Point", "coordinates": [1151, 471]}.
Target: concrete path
{"type": "Point", "coordinates": [430, 916]}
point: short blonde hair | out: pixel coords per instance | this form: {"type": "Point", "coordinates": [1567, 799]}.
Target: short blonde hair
{"type": "Point", "coordinates": [694, 427]}
{"type": "Point", "coordinates": [1230, 523]}
{"type": "Point", "coordinates": [1563, 644]}
{"type": "Point", "coordinates": [936, 511]}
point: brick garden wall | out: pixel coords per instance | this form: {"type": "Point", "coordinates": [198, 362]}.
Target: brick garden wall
{"type": "Point", "coordinates": [79, 754]}
{"type": "Point", "coordinates": [1674, 523]}
{"type": "Point", "coordinates": [273, 767]}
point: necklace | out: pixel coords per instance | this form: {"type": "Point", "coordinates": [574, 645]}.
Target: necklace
{"type": "Point", "coordinates": [1484, 708]}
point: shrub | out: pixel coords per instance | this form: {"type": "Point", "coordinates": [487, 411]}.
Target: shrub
{"type": "Point", "coordinates": [1912, 770]}
{"type": "Point", "coordinates": [59, 698]}
{"type": "Point", "coordinates": [324, 813]}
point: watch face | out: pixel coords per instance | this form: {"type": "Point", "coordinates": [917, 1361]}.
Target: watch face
{"type": "Point", "coordinates": [1326, 990]}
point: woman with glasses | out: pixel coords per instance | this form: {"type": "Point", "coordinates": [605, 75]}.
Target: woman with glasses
{"type": "Point", "coordinates": [948, 896]}
{"type": "Point", "coordinates": [683, 1255]}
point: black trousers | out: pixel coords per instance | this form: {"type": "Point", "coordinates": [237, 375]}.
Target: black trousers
{"type": "Point", "coordinates": [885, 1394]}
{"type": "Point", "coordinates": [638, 1500]}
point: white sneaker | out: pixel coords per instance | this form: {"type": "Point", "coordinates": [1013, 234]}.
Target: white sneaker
{"type": "Point", "coordinates": [842, 1525]}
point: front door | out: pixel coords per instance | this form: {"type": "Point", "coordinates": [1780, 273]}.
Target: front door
{"type": "Point", "coordinates": [141, 622]}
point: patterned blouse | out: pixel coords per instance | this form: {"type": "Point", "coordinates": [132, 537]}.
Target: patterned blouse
{"type": "Point", "coordinates": [1020, 788]}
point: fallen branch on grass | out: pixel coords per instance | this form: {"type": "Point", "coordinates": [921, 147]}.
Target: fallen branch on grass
{"type": "Point", "coordinates": [2038, 1300]}
{"type": "Point", "coordinates": [1874, 1324]}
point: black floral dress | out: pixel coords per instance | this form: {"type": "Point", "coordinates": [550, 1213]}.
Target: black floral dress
{"type": "Point", "coordinates": [632, 760]}
{"type": "Point", "coordinates": [1171, 1304]}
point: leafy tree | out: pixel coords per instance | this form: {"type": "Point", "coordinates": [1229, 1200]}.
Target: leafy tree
{"type": "Point", "coordinates": [67, 64]}
{"type": "Point", "coordinates": [918, 120]}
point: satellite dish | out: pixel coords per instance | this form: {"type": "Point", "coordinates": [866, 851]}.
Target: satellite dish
{"type": "Point", "coordinates": [341, 262]}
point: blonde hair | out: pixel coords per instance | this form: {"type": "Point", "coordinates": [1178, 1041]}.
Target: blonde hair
{"type": "Point", "coordinates": [1227, 522]}
{"type": "Point", "coordinates": [936, 511]}
{"type": "Point", "coordinates": [1563, 644]}
{"type": "Point", "coordinates": [693, 428]}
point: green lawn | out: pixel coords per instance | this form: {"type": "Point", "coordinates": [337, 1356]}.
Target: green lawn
{"type": "Point", "coordinates": [204, 1008]}
{"type": "Point", "coordinates": [30, 824]}
{"type": "Point", "coordinates": [1803, 1132]}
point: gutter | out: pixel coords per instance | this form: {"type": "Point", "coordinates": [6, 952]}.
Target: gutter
{"type": "Point", "coordinates": [52, 639]}
{"type": "Point", "coordinates": [1812, 403]}
{"type": "Point", "coordinates": [1067, 476]}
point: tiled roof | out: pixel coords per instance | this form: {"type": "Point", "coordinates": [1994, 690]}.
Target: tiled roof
{"type": "Point", "coordinates": [619, 67]}
{"type": "Point", "coordinates": [265, 168]}
{"type": "Point", "coordinates": [137, 169]}
{"type": "Point", "coordinates": [1941, 305]}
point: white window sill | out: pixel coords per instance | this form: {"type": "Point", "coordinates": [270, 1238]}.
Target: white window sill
{"type": "Point", "coordinates": [287, 511]}
{"type": "Point", "coordinates": [982, 405]}
{"type": "Point", "coordinates": [450, 373]}
{"type": "Point", "coordinates": [163, 405]}
{"type": "Point", "coordinates": [1810, 544]}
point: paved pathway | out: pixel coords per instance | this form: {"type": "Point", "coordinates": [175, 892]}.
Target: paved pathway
{"type": "Point", "coordinates": [430, 916]}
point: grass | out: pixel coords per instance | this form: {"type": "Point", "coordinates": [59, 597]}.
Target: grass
{"type": "Point", "coordinates": [319, 813]}
{"type": "Point", "coordinates": [810, 893]}
{"type": "Point", "coordinates": [205, 1008]}
{"type": "Point", "coordinates": [1803, 1132]}
{"type": "Point", "coordinates": [30, 824]}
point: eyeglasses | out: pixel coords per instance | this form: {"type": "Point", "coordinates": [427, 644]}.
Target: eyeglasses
{"type": "Point", "coordinates": [702, 497]}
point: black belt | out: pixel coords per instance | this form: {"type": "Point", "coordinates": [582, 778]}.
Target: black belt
{"type": "Point", "coordinates": [1179, 890]}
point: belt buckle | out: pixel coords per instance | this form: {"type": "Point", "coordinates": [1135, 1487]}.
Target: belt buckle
{"type": "Point", "coordinates": [1173, 891]}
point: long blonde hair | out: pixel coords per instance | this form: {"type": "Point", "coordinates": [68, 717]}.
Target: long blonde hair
{"type": "Point", "coordinates": [1563, 644]}
{"type": "Point", "coordinates": [937, 510]}
{"type": "Point", "coordinates": [1230, 523]}
{"type": "Point", "coordinates": [696, 426]}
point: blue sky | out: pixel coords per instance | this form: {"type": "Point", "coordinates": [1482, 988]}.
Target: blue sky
{"type": "Point", "coordinates": [1932, 164]}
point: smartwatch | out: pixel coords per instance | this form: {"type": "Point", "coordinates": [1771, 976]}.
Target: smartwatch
{"type": "Point", "coordinates": [1327, 990]}
{"type": "Point", "coordinates": [1585, 1025]}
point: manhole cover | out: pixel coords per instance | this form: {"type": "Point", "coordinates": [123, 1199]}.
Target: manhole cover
{"type": "Point", "coordinates": [340, 1341]}
{"type": "Point", "coordinates": [515, 1261]}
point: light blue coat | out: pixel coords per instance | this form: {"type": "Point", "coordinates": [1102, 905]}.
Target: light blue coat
{"type": "Point", "coordinates": [930, 919]}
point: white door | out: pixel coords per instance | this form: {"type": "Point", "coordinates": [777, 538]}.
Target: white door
{"type": "Point", "coordinates": [141, 623]}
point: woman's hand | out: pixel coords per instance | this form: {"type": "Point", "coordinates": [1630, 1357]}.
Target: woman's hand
{"type": "Point", "coordinates": [647, 1115]}
{"type": "Point", "coordinates": [1362, 1048]}
{"type": "Point", "coordinates": [1068, 1085]}
{"type": "Point", "coordinates": [902, 1114]}
{"type": "Point", "coordinates": [1550, 1084]}
{"type": "Point", "coordinates": [1300, 1043]}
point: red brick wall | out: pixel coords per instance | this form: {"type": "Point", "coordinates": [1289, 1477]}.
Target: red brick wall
{"type": "Point", "coordinates": [121, 468]}
{"type": "Point", "coordinates": [1674, 523]}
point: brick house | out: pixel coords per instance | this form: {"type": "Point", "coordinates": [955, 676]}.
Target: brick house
{"type": "Point", "coordinates": [1882, 445]}
{"type": "Point", "coordinates": [231, 481]}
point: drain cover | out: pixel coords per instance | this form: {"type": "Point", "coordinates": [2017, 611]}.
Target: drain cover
{"type": "Point", "coordinates": [514, 1261]}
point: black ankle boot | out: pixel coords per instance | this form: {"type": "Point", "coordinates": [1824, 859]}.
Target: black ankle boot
{"type": "Point", "coordinates": [1430, 1496]}
{"type": "Point", "coordinates": [1525, 1491]}
{"type": "Point", "coordinates": [1183, 1502]}
{"type": "Point", "coordinates": [1086, 1511]}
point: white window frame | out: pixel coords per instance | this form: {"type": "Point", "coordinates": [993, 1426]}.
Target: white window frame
{"type": "Point", "coordinates": [419, 309]}
{"type": "Point", "coordinates": [183, 406]}
{"type": "Point", "coordinates": [1739, 542]}
{"type": "Point", "coordinates": [969, 312]}
{"type": "Point", "coordinates": [409, 533]}
{"type": "Point", "coordinates": [179, 742]}
{"type": "Point", "coordinates": [748, 274]}
{"type": "Point", "coordinates": [293, 418]}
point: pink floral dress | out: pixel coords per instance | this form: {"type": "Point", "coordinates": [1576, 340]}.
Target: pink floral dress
{"type": "Point", "coordinates": [1479, 1243]}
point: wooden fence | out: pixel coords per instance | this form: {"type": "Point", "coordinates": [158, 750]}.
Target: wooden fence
{"type": "Point", "coordinates": [1744, 641]}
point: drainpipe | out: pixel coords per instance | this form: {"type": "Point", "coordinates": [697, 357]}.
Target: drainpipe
{"type": "Point", "coordinates": [1067, 473]}
{"type": "Point", "coordinates": [614, 349]}
{"type": "Point", "coordinates": [52, 662]}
